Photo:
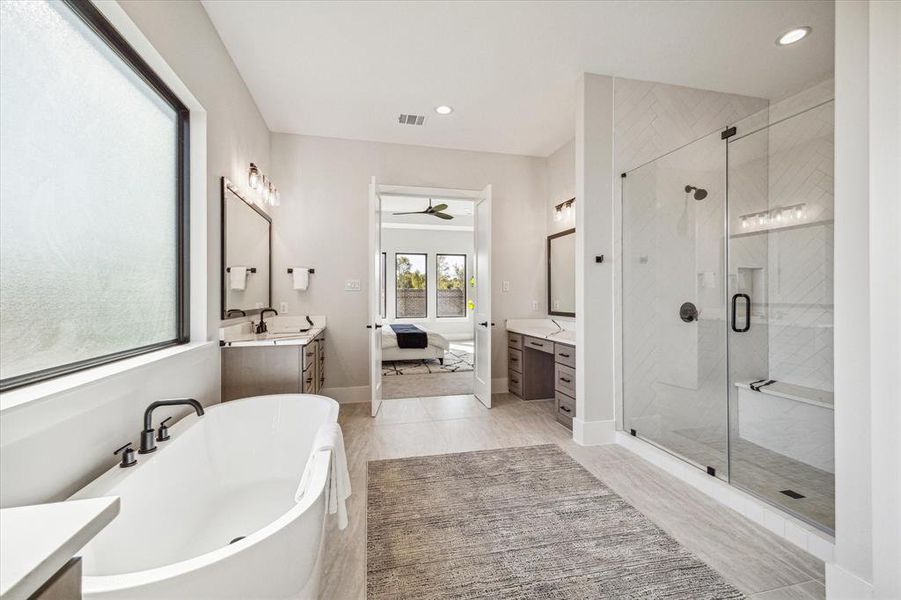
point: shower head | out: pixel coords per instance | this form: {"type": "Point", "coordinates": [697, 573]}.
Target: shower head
{"type": "Point", "coordinates": [700, 193]}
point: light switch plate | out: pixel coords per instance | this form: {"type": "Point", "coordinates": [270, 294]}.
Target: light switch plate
{"type": "Point", "coordinates": [506, 286]}
{"type": "Point", "coordinates": [352, 285]}
{"type": "Point", "coordinates": [283, 307]}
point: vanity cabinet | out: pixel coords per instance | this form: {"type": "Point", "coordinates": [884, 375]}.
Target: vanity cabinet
{"type": "Point", "coordinates": [273, 369]}
{"type": "Point", "coordinates": [540, 369]}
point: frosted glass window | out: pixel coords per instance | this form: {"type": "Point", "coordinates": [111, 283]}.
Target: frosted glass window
{"type": "Point", "coordinates": [91, 213]}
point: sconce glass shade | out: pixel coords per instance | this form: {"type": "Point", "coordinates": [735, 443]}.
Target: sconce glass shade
{"type": "Point", "coordinates": [558, 214]}
{"type": "Point", "coordinates": [253, 177]}
{"type": "Point", "coordinates": [276, 197]}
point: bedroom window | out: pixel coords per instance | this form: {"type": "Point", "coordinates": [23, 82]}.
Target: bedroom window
{"type": "Point", "coordinates": [383, 293]}
{"type": "Point", "coordinates": [411, 286]}
{"type": "Point", "coordinates": [93, 196]}
{"type": "Point", "coordinates": [451, 285]}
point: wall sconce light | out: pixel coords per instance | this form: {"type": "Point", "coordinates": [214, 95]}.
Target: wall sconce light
{"type": "Point", "coordinates": [775, 218]}
{"type": "Point", "coordinates": [564, 209]}
{"type": "Point", "coordinates": [258, 182]}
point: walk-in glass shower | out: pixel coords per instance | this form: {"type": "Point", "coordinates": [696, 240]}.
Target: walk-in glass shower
{"type": "Point", "coordinates": [727, 307]}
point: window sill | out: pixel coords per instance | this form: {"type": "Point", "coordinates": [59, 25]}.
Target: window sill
{"type": "Point", "coordinates": [45, 389]}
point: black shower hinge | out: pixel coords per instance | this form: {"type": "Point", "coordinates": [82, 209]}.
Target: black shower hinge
{"type": "Point", "coordinates": [711, 471]}
{"type": "Point", "coordinates": [728, 133]}
{"type": "Point", "coordinates": [633, 432]}
{"type": "Point", "coordinates": [623, 175]}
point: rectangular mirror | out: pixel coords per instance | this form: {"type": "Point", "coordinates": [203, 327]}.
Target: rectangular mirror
{"type": "Point", "coordinates": [561, 273]}
{"type": "Point", "coordinates": [246, 255]}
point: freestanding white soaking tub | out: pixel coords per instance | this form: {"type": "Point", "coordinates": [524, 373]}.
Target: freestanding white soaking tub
{"type": "Point", "coordinates": [232, 473]}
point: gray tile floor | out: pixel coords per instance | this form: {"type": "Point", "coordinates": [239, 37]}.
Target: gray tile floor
{"type": "Point", "coordinates": [757, 562]}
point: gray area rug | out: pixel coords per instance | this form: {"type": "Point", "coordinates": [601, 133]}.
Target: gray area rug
{"type": "Point", "coordinates": [517, 523]}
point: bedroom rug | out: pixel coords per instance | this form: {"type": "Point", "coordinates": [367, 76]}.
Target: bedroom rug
{"type": "Point", "coordinates": [455, 361]}
{"type": "Point", "coordinates": [524, 522]}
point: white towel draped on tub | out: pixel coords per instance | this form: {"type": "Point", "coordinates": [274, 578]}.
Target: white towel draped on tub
{"type": "Point", "coordinates": [329, 437]}
{"type": "Point", "coordinates": [237, 278]}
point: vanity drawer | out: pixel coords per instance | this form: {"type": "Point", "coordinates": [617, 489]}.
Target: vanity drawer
{"type": "Point", "coordinates": [514, 383]}
{"type": "Point", "coordinates": [514, 359]}
{"type": "Point", "coordinates": [514, 340]}
{"type": "Point", "coordinates": [309, 383]}
{"type": "Point", "coordinates": [309, 355]}
{"type": "Point", "coordinates": [565, 379]}
{"type": "Point", "coordinates": [565, 355]}
{"type": "Point", "coordinates": [539, 344]}
{"type": "Point", "coordinates": [566, 409]}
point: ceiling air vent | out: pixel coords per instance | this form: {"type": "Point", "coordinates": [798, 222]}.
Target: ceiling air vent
{"type": "Point", "coordinates": [411, 119]}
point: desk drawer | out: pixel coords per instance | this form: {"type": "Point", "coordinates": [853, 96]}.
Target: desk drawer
{"type": "Point", "coordinates": [565, 379]}
{"type": "Point", "coordinates": [538, 344]}
{"type": "Point", "coordinates": [514, 340]}
{"type": "Point", "coordinates": [514, 383]}
{"type": "Point", "coordinates": [565, 355]}
{"type": "Point", "coordinates": [566, 409]}
{"type": "Point", "coordinates": [514, 360]}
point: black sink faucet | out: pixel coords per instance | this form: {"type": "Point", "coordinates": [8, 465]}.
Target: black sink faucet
{"type": "Point", "coordinates": [147, 443]}
{"type": "Point", "coordinates": [261, 326]}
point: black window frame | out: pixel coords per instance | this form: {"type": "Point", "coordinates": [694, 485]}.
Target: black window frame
{"type": "Point", "coordinates": [98, 23]}
{"type": "Point", "coordinates": [465, 290]}
{"type": "Point", "coordinates": [426, 264]}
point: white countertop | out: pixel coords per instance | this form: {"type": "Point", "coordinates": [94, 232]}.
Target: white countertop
{"type": "Point", "coordinates": [543, 328]}
{"type": "Point", "coordinates": [283, 331]}
{"type": "Point", "coordinates": [37, 541]}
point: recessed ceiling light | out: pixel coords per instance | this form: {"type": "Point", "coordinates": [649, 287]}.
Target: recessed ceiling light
{"type": "Point", "coordinates": [795, 35]}
{"type": "Point", "coordinates": [444, 109]}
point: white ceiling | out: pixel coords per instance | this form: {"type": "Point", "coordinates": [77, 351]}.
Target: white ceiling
{"type": "Point", "coordinates": [509, 69]}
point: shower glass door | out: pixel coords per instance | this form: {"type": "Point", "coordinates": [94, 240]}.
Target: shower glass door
{"type": "Point", "coordinates": [780, 256]}
{"type": "Point", "coordinates": [674, 325]}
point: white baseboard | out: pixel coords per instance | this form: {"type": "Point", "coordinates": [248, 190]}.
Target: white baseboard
{"type": "Point", "coordinates": [797, 532]}
{"type": "Point", "coordinates": [348, 395]}
{"type": "Point", "coordinates": [844, 585]}
{"type": "Point", "coordinates": [499, 385]}
{"type": "Point", "coordinates": [594, 433]}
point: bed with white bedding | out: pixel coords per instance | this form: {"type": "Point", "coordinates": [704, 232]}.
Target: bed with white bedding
{"type": "Point", "coordinates": [437, 345]}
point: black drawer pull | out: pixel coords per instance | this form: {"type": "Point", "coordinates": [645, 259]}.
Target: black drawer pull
{"type": "Point", "coordinates": [564, 379]}
{"type": "Point", "coordinates": [564, 355]}
{"type": "Point", "coordinates": [515, 380]}
{"type": "Point", "coordinates": [537, 344]}
{"type": "Point", "coordinates": [564, 409]}
{"type": "Point", "coordinates": [514, 359]}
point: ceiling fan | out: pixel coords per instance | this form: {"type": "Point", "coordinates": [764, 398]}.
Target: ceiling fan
{"type": "Point", "coordinates": [435, 211]}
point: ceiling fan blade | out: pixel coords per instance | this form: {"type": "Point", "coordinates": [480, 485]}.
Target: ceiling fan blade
{"type": "Point", "coordinates": [438, 208]}
{"type": "Point", "coordinates": [442, 215]}
{"type": "Point", "coordinates": [415, 212]}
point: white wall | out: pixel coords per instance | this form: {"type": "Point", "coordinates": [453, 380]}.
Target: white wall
{"type": "Point", "coordinates": [51, 446]}
{"type": "Point", "coordinates": [431, 243]}
{"type": "Point", "coordinates": [322, 222]}
{"type": "Point", "coordinates": [867, 326]}
{"type": "Point", "coordinates": [561, 184]}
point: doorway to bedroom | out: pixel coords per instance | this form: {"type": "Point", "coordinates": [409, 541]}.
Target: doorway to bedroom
{"type": "Point", "coordinates": [427, 273]}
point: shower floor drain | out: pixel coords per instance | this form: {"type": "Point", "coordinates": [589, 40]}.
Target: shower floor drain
{"type": "Point", "coordinates": [237, 539]}
{"type": "Point", "coordinates": [792, 494]}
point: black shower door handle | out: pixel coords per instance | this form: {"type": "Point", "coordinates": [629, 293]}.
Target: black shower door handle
{"type": "Point", "coordinates": [747, 300]}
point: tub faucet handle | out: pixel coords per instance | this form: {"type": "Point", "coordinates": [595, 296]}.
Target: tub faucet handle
{"type": "Point", "coordinates": [128, 456]}
{"type": "Point", "coordinates": [162, 433]}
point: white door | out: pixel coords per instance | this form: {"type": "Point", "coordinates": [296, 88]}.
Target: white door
{"type": "Point", "coordinates": [375, 304]}
{"type": "Point", "coordinates": [482, 322]}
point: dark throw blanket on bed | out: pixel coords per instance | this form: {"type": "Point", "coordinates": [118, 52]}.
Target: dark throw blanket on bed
{"type": "Point", "coordinates": [410, 336]}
